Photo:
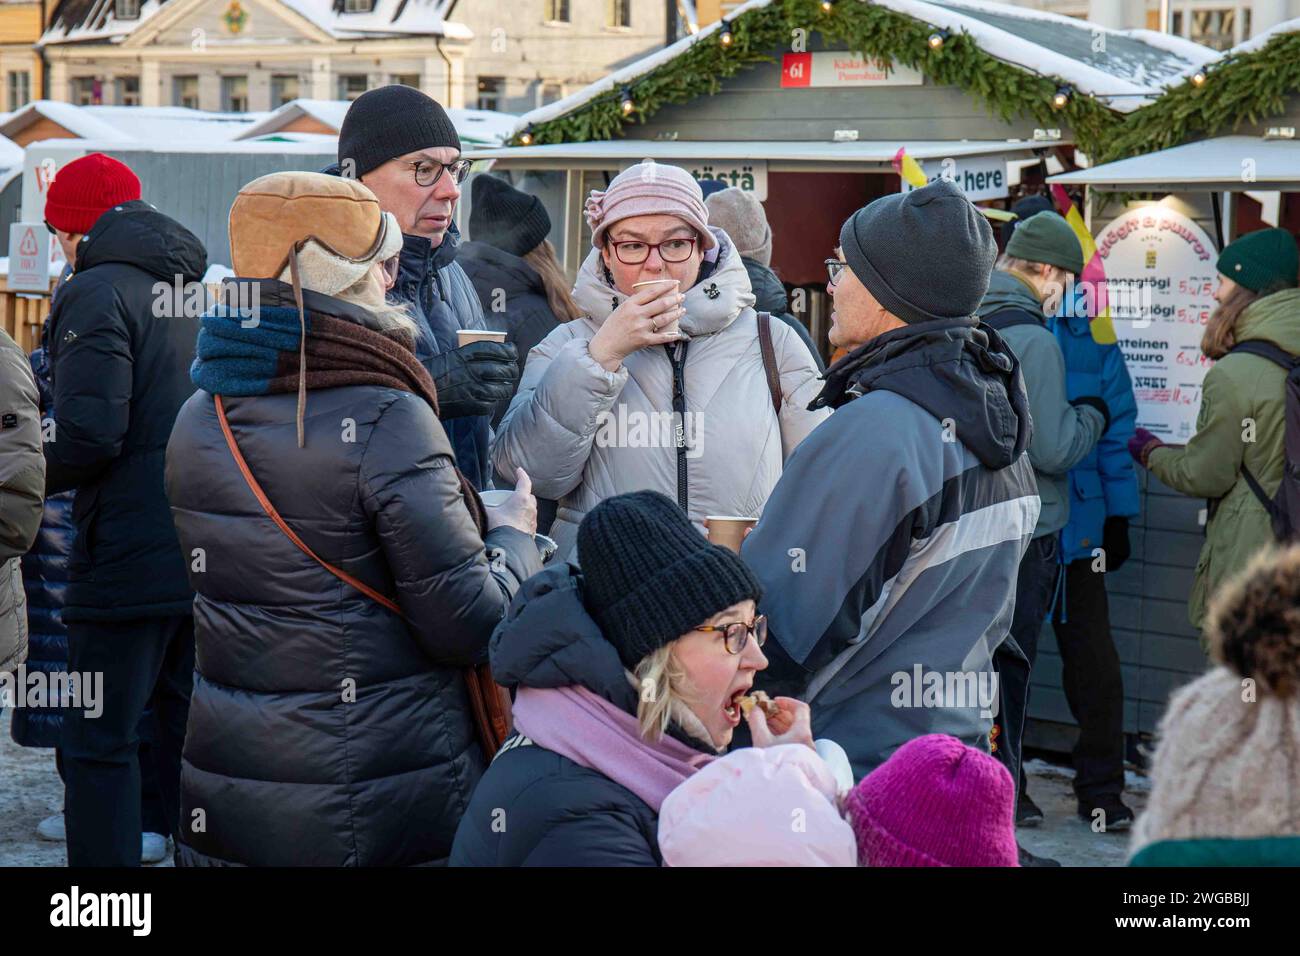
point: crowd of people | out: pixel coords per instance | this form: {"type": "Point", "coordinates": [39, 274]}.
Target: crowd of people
{"type": "Point", "coordinates": [293, 534]}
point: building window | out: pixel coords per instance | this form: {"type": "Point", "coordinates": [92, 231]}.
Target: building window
{"type": "Point", "coordinates": [351, 85]}
{"type": "Point", "coordinates": [489, 92]}
{"type": "Point", "coordinates": [127, 10]}
{"type": "Point", "coordinates": [358, 6]}
{"type": "Point", "coordinates": [406, 79]}
{"type": "Point", "coordinates": [618, 13]}
{"type": "Point", "coordinates": [87, 91]}
{"type": "Point", "coordinates": [284, 89]}
{"type": "Point", "coordinates": [185, 91]}
{"type": "Point", "coordinates": [128, 91]}
{"type": "Point", "coordinates": [234, 94]}
{"type": "Point", "coordinates": [551, 92]}
{"type": "Point", "coordinates": [1214, 28]}
{"type": "Point", "coordinates": [557, 11]}
{"type": "Point", "coordinates": [20, 89]}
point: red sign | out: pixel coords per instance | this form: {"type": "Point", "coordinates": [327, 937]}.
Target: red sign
{"type": "Point", "coordinates": [796, 69]}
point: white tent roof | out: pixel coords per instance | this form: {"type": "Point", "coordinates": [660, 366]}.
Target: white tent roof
{"type": "Point", "coordinates": [1131, 68]}
{"type": "Point", "coordinates": [1212, 165]}
{"type": "Point", "coordinates": [476, 127]}
{"type": "Point", "coordinates": [131, 123]}
{"type": "Point", "coordinates": [602, 154]}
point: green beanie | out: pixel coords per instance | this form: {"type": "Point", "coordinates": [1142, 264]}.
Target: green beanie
{"type": "Point", "coordinates": [1259, 260]}
{"type": "Point", "coordinates": [1047, 237]}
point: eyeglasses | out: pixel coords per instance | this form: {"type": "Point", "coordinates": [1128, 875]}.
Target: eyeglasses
{"type": "Point", "coordinates": [835, 268]}
{"type": "Point", "coordinates": [391, 267]}
{"type": "Point", "coordinates": [736, 634]}
{"type": "Point", "coordinates": [428, 172]}
{"type": "Point", "coordinates": [633, 252]}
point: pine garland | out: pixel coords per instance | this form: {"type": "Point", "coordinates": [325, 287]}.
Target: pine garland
{"type": "Point", "coordinates": [872, 31]}
{"type": "Point", "coordinates": [1243, 88]}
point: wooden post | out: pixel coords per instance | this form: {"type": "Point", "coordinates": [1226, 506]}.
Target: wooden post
{"type": "Point", "coordinates": [22, 315]}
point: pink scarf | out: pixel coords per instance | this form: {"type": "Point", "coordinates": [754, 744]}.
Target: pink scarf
{"type": "Point", "coordinates": [592, 732]}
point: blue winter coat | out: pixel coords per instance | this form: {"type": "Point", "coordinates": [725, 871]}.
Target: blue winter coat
{"type": "Point", "coordinates": [1103, 484]}
{"type": "Point", "coordinates": [45, 579]}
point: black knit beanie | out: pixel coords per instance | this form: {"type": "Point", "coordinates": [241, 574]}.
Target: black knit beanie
{"type": "Point", "coordinates": [650, 576]}
{"type": "Point", "coordinates": [392, 121]}
{"type": "Point", "coordinates": [505, 217]}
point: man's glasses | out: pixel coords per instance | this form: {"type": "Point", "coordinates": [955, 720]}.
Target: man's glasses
{"type": "Point", "coordinates": [835, 268]}
{"type": "Point", "coordinates": [634, 252]}
{"type": "Point", "coordinates": [428, 172]}
{"type": "Point", "coordinates": [736, 634]}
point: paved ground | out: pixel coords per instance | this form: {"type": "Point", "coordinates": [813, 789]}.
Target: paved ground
{"type": "Point", "coordinates": [30, 790]}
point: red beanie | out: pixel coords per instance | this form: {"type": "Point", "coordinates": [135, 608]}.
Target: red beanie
{"type": "Point", "coordinates": [85, 189]}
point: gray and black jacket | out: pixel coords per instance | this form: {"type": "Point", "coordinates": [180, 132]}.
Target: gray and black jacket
{"type": "Point", "coordinates": [893, 538]}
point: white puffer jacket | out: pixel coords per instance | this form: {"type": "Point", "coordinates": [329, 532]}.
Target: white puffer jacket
{"type": "Point", "coordinates": [584, 433]}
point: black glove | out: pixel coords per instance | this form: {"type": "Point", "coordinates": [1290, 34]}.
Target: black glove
{"type": "Point", "coordinates": [473, 379]}
{"type": "Point", "coordinates": [1114, 540]}
{"type": "Point", "coordinates": [1092, 401]}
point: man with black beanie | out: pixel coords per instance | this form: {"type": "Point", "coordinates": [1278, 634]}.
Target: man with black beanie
{"type": "Point", "coordinates": [401, 144]}
{"type": "Point", "coordinates": [888, 550]}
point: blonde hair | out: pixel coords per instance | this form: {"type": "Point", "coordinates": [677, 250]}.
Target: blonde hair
{"type": "Point", "coordinates": [1221, 329]}
{"type": "Point", "coordinates": [370, 296]}
{"type": "Point", "coordinates": [661, 688]}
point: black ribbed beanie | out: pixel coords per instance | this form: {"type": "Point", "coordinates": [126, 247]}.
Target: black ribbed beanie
{"type": "Point", "coordinates": [505, 217]}
{"type": "Point", "coordinates": [392, 121]}
{"type": "Point", "coordinates": [650, 576]}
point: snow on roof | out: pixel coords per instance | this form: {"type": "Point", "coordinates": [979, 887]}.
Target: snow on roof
{"type": "Point", "coordinates": [11, 154]}
{"type": "Point", "coordinates": [1208, 164]}
{"type": "Point", "coordinates": [131, 123]}
{"type": "Point", "coordinates": [1132, 67]}
{"type": "Point", "coordinates": [476, 127]}
{"type": "Point", "coordinates": [90, 20]}
{"type": "Point", "coordinates": [1259, 42]}
{"type": "Point", "coordinates": [306, 148]}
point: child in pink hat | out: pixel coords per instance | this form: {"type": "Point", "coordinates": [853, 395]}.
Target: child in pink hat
{"type": "Point", "coordinates": [935, 802]}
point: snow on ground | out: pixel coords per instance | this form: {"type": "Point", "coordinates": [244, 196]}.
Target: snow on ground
{"type": "Point", "coordinates": [1062, 836]}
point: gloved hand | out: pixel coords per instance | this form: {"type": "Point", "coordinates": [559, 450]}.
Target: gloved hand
{"type": "Point", "coordinates": [1141, 445]}
{"type": "Point", "coordinates": [1114, 541]}
{"type": "Point", "coordinates": [472, 380]}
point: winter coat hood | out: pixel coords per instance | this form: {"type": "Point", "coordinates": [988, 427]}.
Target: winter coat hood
{"type": "Point", "coordinates": [1007, 291]}
{"type": "Point", "coordinates": [547, 639]}
{"type": "Point", "coordinates": [139, 235]}
{"type": "Point", "coordinates": [956, 371]}
{"type": "Point", "coordinates": [1274, 318]}
{"type": "Point", "coordinates": [719, 295]}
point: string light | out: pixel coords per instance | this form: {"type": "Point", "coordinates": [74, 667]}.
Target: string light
{"type": "Point", "coordinates": [828, 5]}
{"type": "Point", "coordinates": [628, 104]}
{"type": "Point", "coordinates": [1198, 78]}
{"type": "Point", "coordinates": [1062, 97]}
{"type": "Point", "coordinates": [937, 38]}
{"type": "Point", "coordinates": [725, 36]}
{"type": "Point", "coordinates": [526, 137]}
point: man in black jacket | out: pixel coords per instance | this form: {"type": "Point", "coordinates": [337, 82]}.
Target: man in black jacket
{"type": "Point", "coordinates": [120, 343]}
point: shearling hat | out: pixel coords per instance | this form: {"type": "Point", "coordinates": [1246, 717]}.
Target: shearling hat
{"type": "Point", "coordinates": [649, 575]}
{"type": "Point", "coordinates": [1228, 760]}
{"type": "Point", "coordinates": [740, 215]}
{"type": "Point", "coordinates": [924, 255]}
{"type": "Point", "coordinates": [1047, 237]}
{"type": "Point", "coordinates": [649, 189]}
{"type": "Point", "coordinates": [336, 223]}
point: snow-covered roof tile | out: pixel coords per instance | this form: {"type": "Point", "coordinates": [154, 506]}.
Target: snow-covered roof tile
{"type": "Point", "coordinates": [76, 21]}
{"type": "Point", "coordinates": [132, 123]}
{"type": "Point", "coordinates": [1130, 70]}
{"type": "Point", "coordinates": [1261, 41]}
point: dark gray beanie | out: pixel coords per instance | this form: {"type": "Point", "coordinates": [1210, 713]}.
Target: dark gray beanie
{"type": "Point", "coordinates": [392, 121]}
{"type": "Point", "coordinates": [924, 255]}
{"type": "Point", "coordinates": [505, 217]}
{"type": "Point", "coordinates": [649, 575]}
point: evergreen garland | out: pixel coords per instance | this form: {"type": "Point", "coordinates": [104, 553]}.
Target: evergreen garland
{"type": "Point", "coordinates": [1006, 91]}
{"type": "Point", "coordinates": [1246, 87]}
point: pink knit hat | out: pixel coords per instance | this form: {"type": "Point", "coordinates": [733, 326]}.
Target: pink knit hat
{"type": "Point", "coordinates": [935, 802]}
{"type": "Point", "coordinates": [649, 189]}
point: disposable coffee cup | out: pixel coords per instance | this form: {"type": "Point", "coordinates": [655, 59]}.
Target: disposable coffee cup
{"type": "Point", "coordinates": [637, 285]}
{"type": "Point", "coordinates": [495, 499]}
{"type": "Point", "coordinates": [467, 336]}
{"type": "Point", "coordinates": [728, 530]}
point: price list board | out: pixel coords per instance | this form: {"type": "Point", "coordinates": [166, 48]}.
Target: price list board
{"type": "Point", "coordinates": [1160, 280]}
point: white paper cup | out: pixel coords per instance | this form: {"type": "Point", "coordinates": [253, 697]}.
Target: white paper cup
{"type": "Point", "coordinates": [728, 530]}
{"type": "Point", "coordinates": [494, 499]}
{"type": "Point", "coordinates": [466, 336]}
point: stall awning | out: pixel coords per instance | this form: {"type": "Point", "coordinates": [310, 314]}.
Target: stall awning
{"type": "Point", "coordinates": [1223, 164]}
{"type": "Point", "coordinates": [780, 156]}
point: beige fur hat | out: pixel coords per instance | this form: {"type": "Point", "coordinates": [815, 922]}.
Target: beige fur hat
{"type": "Point", "coordinates": [334, 222]}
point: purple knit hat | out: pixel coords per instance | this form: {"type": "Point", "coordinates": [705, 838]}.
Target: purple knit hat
{"type": "Point", "coordinates": [935, 802]}
{"type": "Point", "coordinates": [649, 189]}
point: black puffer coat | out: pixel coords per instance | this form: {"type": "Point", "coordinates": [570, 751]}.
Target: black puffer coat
{"type": "Point", "coordinates": [323, 729]}
{"type": "Point", "coordinates": [120, 357]}
{"type": "Point", "coordinates": [557, 812]}
{"type": "Point", "coordinates": [770, 296]}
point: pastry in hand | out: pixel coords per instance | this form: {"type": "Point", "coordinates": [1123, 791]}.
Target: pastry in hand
{"type": "Point", "coordinates": [759, 699]}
